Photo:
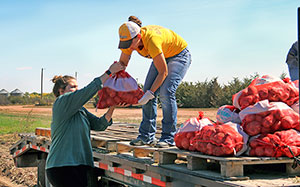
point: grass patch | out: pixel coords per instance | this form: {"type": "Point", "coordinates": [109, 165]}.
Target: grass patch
{"type": "Point", "coordinates": [22, 123]}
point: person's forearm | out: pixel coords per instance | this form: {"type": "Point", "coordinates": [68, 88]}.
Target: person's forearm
{"type": "Point", "coordinates": [124, 63]}
{"type": "Point", "coordinates": [124, 59]}
{"type": "Point", "coordinates": [158, 81]}
{"type": "Point", "coordinates": [109, 113]}
{"type": "Point", "coordinates": [162, 68]}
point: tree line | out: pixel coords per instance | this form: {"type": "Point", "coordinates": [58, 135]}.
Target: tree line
{"type": "Point", "coordinates": [207, 94]}
{"type": "Point", "coordinates": [28, 99]}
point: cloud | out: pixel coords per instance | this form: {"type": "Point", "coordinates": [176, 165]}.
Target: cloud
{"type": "Point", "coordinates": [23, 68]}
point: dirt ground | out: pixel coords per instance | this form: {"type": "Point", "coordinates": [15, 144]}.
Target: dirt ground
{"type": "Point", "coordinates": [11, 176]}
{"type": "Point", "coordinates": [119, 113]}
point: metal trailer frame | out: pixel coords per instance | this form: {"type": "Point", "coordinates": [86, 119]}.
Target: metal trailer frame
{"type": "Point", "coordinates": [129, 171]}
{"type": "Point", "coordinates": [132, 166]}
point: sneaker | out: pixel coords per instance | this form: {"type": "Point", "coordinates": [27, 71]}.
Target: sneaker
{"type": "Point", "coordinates": [163, 145]}
{"type": "Point", "coordinates": [139, 142]}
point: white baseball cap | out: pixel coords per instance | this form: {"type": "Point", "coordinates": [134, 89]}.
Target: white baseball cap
{"type": "Point", "coordinates": [127, 32]}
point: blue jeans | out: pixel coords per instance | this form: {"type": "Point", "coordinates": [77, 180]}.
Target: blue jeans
{"type": "Point", "coordinates": [294, 71]}
{"type": "Point", "coordinates": [177, 67]}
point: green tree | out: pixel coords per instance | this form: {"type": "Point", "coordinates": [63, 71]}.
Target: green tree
{"type": "Point", "coordinates": [214, 93]}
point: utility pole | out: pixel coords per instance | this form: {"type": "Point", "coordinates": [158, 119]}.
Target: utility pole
{"type": "Point", "coordinates": [42, 72]}
{"type": "Point", "coordinates": [76, 75]}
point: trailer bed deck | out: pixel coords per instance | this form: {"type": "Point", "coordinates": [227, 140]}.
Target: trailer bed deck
{"type": "Point", "coordinates": [148, 166]}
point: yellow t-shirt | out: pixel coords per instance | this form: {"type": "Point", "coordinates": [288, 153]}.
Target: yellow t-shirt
{"type": "Point", "coordinates": [156, 40]}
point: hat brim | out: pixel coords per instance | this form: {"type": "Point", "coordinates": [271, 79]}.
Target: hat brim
{"type": "Point", "coordinates": [125, 44]}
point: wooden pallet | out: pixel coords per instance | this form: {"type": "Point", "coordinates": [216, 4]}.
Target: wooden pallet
{"type": "Point", "coordinates": [138, 151]}
{"type": "Point", "coordinates": [106, 140]}
{"type": "Point", "coordinates": [39, 131]}
{"type": "Point", "coordinates": [118, 132]}
{"type": "Point", "coordinates": [230, 167]}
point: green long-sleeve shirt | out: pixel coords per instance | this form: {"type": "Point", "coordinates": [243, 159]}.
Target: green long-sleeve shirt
{"type": "Point", "coordinates": [70, 128]}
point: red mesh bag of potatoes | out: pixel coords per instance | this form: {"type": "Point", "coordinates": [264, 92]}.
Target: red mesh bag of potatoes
{"type": "Point", "coordinates": [187, 131]}
{"type": "Point", "coordinates": [120, 88]}
{"type": "Point", "coordinates": [265, 117]}
{"type": "Point", "coordinates": [281, 143]}
{"type": "Point", "coordinates": [266, 87]}
{"type": "Point", "coordinates": [221, 140]}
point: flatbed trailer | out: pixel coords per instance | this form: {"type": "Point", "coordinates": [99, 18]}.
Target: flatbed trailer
{"type": "Point", "coordinates": [117, 163]}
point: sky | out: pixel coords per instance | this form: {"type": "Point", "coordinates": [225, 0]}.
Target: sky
{"type": "Point", "coordinates": [227, 39]}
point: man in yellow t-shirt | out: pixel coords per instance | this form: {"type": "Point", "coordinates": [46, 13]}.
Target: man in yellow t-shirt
{"type": "Point", "coordinates": [171, 60]}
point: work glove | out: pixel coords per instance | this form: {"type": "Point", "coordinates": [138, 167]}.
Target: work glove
{"type": "Point", "coordinates": [146, 97]}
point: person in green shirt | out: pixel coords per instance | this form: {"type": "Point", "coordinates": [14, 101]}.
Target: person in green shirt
{"type": "Point", "coordinates": [70, 156]}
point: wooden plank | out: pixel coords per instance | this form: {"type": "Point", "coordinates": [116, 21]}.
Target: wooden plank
{"type": "Point", "coordinates": [195, 163]}
{"type": "Point", "coordinates": [102, 138]}
{"type": "Point", "coordinates": [166, 158]}
{"type": "Point", "coordinates": [130, 131]}
{"type": "Point", "coordinates": [232, 169]}
{"type": "Point", "coordinates": [142, 152]}
{"type": "Point", "coordinates": [115, 136]}
{"type": "Point", "coordinates": [114, 131]}
{"type": "Point", "coordinates": [124, 130]}
{"type": "Point", "coordinates": [121, 133]}
{"type": "Point", "coordinates": [103, 142]}
{"type": "Point", "coordinates": [123, 148]}
{"type": "Point", "coordinates": [137, 151]}
{"type": "Point", "coordinates": [99, 143]}
{"type": "Point", "coordinates": [132, 126]}
{"type": "Point", "coordinates": [43, 131]}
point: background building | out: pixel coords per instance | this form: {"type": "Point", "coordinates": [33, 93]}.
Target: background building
{"type": "Point", "coordinates": [4, 93]}
{"type": "Point", "coordinates": [16, 92]}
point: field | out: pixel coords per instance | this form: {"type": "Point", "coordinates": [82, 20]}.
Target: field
{"type": "Point", "coordinates": [16, 119]}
